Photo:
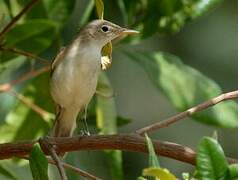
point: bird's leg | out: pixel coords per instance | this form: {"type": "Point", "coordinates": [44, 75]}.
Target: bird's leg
{"type": "Point", "coordinates": [86, 130]}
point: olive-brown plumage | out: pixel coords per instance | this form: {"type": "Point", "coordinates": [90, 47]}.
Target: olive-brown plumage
{"type": "Point", "coordinates": [75, 73]}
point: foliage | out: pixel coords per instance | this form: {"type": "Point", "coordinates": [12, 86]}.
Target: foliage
{"type": "Point", "coordinates": [107, 124]}
{"type": "Point", "coordinates": [50, 24]}
{"type": "Point", "coordinates": [7, 173]}
{"type": "Point", "coordinates": [38, 163]}
{"type": "Point", "coordinates": [154, 169]}
{"type": "Point", "coordinates": [168, 73]}
{"type": "Point", "coordinates": [211, 161]}
{"type": "Point", "coordinates": [153, 161]}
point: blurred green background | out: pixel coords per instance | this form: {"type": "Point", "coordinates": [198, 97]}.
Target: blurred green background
{"type": "Point", "coordinates": [208, 43]}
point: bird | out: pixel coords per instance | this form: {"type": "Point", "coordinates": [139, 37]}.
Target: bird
{"type": "Point", "coordinates": [75, 71]}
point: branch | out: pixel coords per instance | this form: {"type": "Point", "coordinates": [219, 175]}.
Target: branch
{"type": "Point", "coordinates": [68, 166]}
{"type": "Point", "coordinates": [17, 17]}
{"type": "Point", "coordinates": [44, 142]}
{"type": "Point", "coordinates": [126, 142]}
{"type": "Point", "coordinates": [29, 75]}
{"type": "Point", "coordinates": [187, 113]}
{"type": "Point", "coordinates": [37, 109]}
{"type": "Point", "coordinates": [24, 53]}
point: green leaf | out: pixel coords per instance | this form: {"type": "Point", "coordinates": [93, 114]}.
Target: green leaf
{"type": "Point", "coordinates": [99, 8]}
{"type": "Point", "coordinates": [141, 178]}
{"type": "Point", "coordinates": [114, 159]}
{"type": "Point", "coordinates": [38, 164]}
{"type": "Point", "coordinates": [107, 123]}
{"type": "Point", "coordinates": [9, 69]}
{"type": "Point", "coordinates": [233, 171]}
{"type": "Point", "coordinates": [38, 33]}
{"type": "Point", "coordinates": [9, 8]}
{"type": "Point", "coordinates": [33, 36]}
{"type": "Point", "coordinates": [153, 160]}
{"type": "Point", "coordinates": [203, 6]}
{"type": "Point", "coordinates": [186, 87]}
{"type": "Point", "coordinates": [87, 12]}
{"type": "Point", "coordinates": [122, 121]}
{"type": "Point", "coordinates": [211, 161]}
{"type": "Point", "coordinates": [7, 173]}
{"type": "Point", "coordinates": [37, 11]}
{"type": "Point", "coordinates": [105, 107]}
{"type": "Point", "coordinates": [166, 16]}
{"type": "Point", "coordinates": [178, 13]}
{"type": "Point", "coordinates": [159, 173]}
{"type": "Point", "coordinates": [122, 7]}
{"type": "Point", "coordinates": [22, 122]}
{"type": "Point", "coordinates": [59, 10]}
{"type": "Point", "coordinates": [35, 125]}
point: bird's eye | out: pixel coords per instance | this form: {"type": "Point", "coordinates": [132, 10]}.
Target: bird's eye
{"type": "Point", "coordinates": [105, 28]}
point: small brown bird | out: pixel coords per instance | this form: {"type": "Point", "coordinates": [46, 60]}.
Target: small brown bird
{"type": "Point", "coordinates": [75, 72]}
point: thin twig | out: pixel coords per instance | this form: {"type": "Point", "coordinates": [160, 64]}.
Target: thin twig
{"type": "Point", "coordinates": [23, 53]}
{"type": "Point", "coordinates": [8, 86]}
{"type": "Point", "coordinates": [187, 113]}
{"type": "Point", "coordinates": [54, 156]}
{"type": "Point", "coordinates": [44, 114]}
{"type": "Point", "coordinates": [17, 17]}
{"type": "Point", "coordinates": [58, 164]}
{"type": "Point", "coordinates": [70, 167]}
{"type": "Point", "coordinates": [77, 170]}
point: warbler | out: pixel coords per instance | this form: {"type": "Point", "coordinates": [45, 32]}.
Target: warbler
{"type": "Point", "coordinates": [75, 72]}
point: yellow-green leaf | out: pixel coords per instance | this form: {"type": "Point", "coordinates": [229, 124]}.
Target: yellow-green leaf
{"type": "Point", "coordinates": [106, 58]}
{"type": "Point", "coordinates": [153, 160]}
{"type": "Point", "coordinates": [99, 8]}
{"type": "Point", "coordinates": [159, 173]}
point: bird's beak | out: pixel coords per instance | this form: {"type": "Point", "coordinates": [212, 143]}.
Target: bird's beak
{"type": "Point", "coordinates": [126, 31]}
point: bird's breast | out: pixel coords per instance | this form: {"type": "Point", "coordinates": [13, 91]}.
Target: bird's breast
{"type": "Point", "coordinates": [75, 79]}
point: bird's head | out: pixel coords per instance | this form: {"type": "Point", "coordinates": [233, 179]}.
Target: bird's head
{"type": "Point", "coordinates": [101, 31]}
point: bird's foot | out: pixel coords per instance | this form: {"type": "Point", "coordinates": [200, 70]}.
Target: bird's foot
{"type": "Point", "coordinates": [84, 133]}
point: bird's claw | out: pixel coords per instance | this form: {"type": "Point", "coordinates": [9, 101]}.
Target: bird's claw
{"type": "Point", "coordinates": [84, 133]}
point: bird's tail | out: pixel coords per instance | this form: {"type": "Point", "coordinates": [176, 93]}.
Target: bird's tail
{"type": "Point", "coordinates": [65, 123]}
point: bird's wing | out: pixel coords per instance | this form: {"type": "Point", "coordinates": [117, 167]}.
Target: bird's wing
{"type": "Point", "coordinates": [59, 57]}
